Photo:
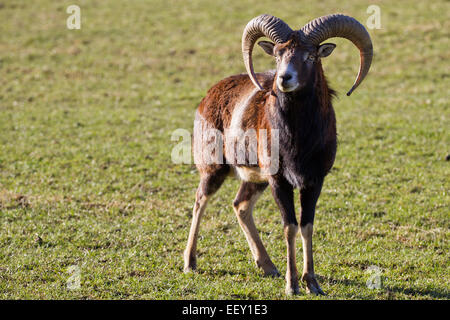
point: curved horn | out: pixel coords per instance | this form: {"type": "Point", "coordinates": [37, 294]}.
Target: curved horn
{"type": "Point", "coordinates": [338, 25]}
{"type": "Point", "coordinates": [262, 26]}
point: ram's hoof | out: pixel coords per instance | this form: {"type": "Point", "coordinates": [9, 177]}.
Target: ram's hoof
{"type": "Point", "coordinates": [290, 291]}
{"type": "Point", "coordinates": [312, 286]}
{"type": "Point", "coordinates": [274, 273]}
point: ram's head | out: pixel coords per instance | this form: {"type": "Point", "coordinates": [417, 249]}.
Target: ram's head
{"type": "Point", "coordinates": [298, 52]}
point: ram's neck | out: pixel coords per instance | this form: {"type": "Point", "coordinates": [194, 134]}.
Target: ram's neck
{"type": "Point", "coordinates": [298, 118]}
{"type": "Point", "coordinates": [302, 113]}
{"type": "Point", "coordinates": [303, 120]}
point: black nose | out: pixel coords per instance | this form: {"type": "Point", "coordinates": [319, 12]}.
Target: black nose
{"type": "Point", "coordinates": [286, 77]}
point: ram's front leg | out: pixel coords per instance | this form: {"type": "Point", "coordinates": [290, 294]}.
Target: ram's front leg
{"type": "Point", "coordinates": [283, 194]}
{"type": "Point", "coordinates": [308, 199]}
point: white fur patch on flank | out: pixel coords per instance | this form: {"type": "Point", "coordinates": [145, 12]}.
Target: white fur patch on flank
{"type": "Point", "coordinates": [235, 136]}
{"type": "Point", "coordinates": [239, 111]}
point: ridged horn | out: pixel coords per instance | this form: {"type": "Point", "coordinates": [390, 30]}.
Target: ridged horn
{"type": "Point", "coordinates": [339, 25]}
{"type": "Point", "coordinates": [264, 25]}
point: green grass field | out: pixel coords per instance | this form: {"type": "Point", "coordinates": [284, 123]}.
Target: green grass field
{"type": "Point", "coordinates": [86, 177]}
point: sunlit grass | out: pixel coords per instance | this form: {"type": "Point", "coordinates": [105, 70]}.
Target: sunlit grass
{"type": "Point", "coordinates": [86, 177]}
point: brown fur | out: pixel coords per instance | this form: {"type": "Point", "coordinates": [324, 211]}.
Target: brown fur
{"type": "Point", "coordinates": [306, 123]}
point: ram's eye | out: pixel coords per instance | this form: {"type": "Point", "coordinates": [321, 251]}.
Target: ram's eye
{"type": "Point", "coordinates": [311, 57]}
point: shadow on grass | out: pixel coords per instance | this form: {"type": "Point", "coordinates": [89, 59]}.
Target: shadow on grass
{"type": "Point", "coordinates": [439, 293]}
{"type": "Point", "coordinates": [219, 272]}
{"type": "Point", "coordinates": [436, 294]}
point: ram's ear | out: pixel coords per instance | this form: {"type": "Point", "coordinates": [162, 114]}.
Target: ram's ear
{"type": "Point", "coordinates": [325, 49]}
{"type": "Point", "coordinates": [267, 47]}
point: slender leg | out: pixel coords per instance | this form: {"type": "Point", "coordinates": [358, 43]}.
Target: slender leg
{"type": "Point", "coordinates": [243, 205]}
{"type": "Point", "coordinates": [210, 182]}
{"type": "Point", "coordinates": [190, 254]}
{"type": "Point", "coordinates": [308, 200]}
{"type": "Point", "coordinates": [283, 194]}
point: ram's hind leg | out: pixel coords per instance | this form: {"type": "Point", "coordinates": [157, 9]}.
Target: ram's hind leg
{"type": "Point", "coordinates": [211, 178]}
{"type": "Point", "coordinates": [243, 204]}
